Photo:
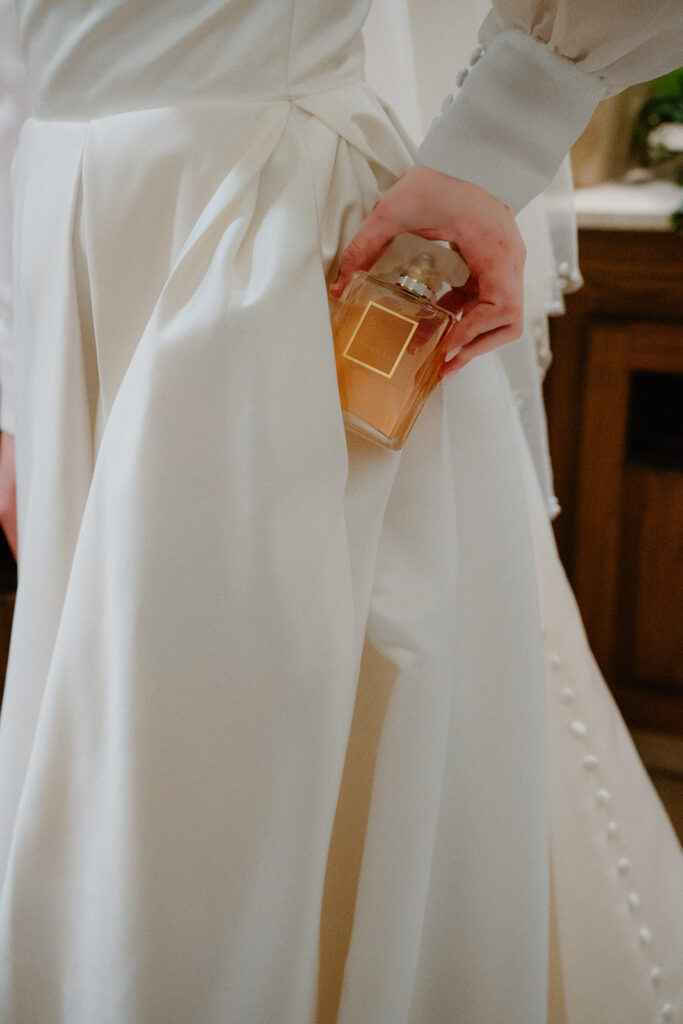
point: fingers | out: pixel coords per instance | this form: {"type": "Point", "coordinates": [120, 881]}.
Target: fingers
{"type": "Point", "coordinates": [487, 322]}
{"type": "Point", "coordinates": [405, 206]}
{"type": "Point", "coordinates": [483, 318]}
{"type": "Point", "coordinates": [476, 224]}
{"type": "Point", "coordinates": [367, 245]}
{"type": "Point", "coordinates": [495, 314]}
{"type": "Point", "coordinates": [458, 299]}
{"type": "Point", "coordinates": [484, 343]}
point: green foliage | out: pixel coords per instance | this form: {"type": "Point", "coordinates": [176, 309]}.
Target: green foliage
{"type": "Point", "coordinates": [664, 105]}
{"type": "Point", "coordinates": [670, 85]}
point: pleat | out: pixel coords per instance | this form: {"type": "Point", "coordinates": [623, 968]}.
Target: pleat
{"type": "Point", "coordinates": [57, 392]}
{"type": "Point", "coordinates": [451, 914]}
{"type": "Point", "coordinates": [275, 733]}
{"type": "Point", "coordinates": [198, 686]}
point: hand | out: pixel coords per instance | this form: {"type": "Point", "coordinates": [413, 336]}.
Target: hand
{"type": "Point", "coordinates": [480, 227]}
{"type": "Point", "coordinates": [8, 494]}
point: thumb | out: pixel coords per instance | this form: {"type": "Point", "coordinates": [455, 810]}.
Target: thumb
{"type": "Point", "coordinates": [377, 230]}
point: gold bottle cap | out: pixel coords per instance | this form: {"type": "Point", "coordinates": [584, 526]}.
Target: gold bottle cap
{"type": "Point", "coordinates": [418, 278]}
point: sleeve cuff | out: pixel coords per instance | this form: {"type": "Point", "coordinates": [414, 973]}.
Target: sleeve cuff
{"type": "Point", "coordinates": [519, 110]}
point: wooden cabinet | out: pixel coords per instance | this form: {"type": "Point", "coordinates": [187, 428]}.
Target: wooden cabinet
{"type": "Point", "coordinates": [614, 396]}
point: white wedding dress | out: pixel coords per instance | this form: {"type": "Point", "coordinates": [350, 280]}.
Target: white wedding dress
{"type": "Point", "coordinates": [295, 729]}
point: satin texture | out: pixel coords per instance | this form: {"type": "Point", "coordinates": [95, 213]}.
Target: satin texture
{"type": "Point", "coordinates": [275, 745]}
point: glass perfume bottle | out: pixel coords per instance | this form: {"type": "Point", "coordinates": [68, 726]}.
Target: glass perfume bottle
{"type": "Point", "coordinates": [387, 348]}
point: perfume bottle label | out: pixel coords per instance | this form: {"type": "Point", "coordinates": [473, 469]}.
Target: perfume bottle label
{"type": "Point", "coordinates": [380, 339]}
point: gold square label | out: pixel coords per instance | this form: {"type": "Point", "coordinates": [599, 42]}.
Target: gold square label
{"type": "Point", "coordinates": [380, 339]}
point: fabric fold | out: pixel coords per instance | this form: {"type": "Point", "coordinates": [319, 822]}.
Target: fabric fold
{"type": "Point", "coordinates": [212, 575]}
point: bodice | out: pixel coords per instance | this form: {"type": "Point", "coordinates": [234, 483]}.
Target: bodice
{"type": "Point", "coordinates": [89, 58]}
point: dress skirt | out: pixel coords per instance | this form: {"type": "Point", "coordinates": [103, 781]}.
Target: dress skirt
{"type": "Point", "coordinates": [296, 729]}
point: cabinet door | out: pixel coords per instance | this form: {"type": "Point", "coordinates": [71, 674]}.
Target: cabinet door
{"type": "Point", "coordinates": [628, 544]}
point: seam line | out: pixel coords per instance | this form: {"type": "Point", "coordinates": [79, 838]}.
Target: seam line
{"type": "Point", "coordinates": [289, 50]}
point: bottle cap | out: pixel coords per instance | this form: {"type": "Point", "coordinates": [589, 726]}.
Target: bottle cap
{"type": "Point", "coordinates": [449, 268]}
{"type": "Point", "coordinates": [419, 278]}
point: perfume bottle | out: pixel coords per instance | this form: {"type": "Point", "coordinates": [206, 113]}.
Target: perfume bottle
{"type": "Point", "coordinates": [387, 351]}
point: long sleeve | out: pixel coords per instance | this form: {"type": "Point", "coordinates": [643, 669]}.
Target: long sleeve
{"type": "Point", "coordinates": [534, 81]}
{"type": "Point", "coordinates": [12, 115]}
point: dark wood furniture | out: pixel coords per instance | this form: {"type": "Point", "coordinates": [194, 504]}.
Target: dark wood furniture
{"type": "Point", "coordinates": [614, 395]}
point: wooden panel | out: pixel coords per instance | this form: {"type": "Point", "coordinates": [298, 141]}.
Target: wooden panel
{"type": "Point", "coordinates": [646, 707]}
{"type": "Point", "coordinates": [650, 640]}
{"type": "Point", "coordinates": [624, 545]}
{"type": "Point", "coordinates": [627, 274]}
{"type": "Point", "coordinates": [599, 499]}
{"type": "Point", "coordinates": [632, 272]}
{"type": "Point", "coordinates": [655, 346]}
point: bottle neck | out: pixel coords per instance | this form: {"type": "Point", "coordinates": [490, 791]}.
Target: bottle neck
{"type": "Point", "coordinates": [415, 287]}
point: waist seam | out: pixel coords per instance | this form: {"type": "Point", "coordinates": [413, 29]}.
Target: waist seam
{"type": "Point", "coordinates": [199, 105]}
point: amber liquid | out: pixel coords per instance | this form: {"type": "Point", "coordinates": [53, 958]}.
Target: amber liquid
{"type": "Point", "coordinates": [388, 356]}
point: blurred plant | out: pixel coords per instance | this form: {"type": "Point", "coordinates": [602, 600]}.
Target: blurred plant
{"type": "Point", "coordinates": [657, 138]}
{"type": "Point", "coordinates": [658, 129]}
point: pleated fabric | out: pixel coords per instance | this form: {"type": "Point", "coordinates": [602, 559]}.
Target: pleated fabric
{"type": "Point", "coordinates": [275, 740]}
{"type": "Point", "coordinates": [221, 552]}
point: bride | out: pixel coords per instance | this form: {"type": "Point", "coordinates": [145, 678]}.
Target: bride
{"type": "Point", "coordinates": [297, 729]}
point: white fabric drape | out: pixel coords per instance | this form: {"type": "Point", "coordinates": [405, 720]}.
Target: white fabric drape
{"type": "Point", "coordinates": [620, 43]}
{"type": "Point", "coordinates": [13, 111]}
{"type": "Point", "coordinates": [230, 615]}
{"type": "Point", "coordinates": [577, 30]}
